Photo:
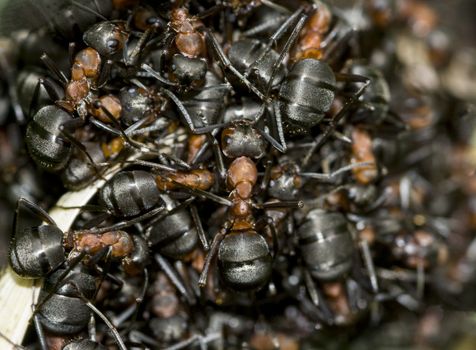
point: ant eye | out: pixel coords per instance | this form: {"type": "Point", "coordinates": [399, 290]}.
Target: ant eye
{"type": "Point", "coordinates": [113, 43]}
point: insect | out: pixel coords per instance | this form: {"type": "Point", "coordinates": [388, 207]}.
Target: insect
{"type": "Point", "coordinates": [238, 242]}
{"type": "Point", "coordinates": [327, 249]}
{"type": "Point", "coordinates": [49, 242]}
{"type": "Point", "coordinates": [65, 307]}
{"type": "Point", "coordinates": [187, 41]}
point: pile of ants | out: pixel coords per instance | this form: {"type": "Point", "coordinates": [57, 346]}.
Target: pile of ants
{"type": "Point", "coordinates": [266, 174]}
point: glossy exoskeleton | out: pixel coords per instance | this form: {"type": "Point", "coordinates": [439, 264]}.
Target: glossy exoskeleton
{"type": "Point", "coordinates": [47, 145]}
{"type": "Point", "coordinates": [326, 244]}
{"type": "Point", "coordinates": [38, 249]}
{"type": "Point", "coordinates": [175, 235]}
{"type": "Point", "coordinates": [64, 312]}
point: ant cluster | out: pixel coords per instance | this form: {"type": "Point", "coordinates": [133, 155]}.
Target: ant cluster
{"type": "Point", "coordinates": [269, 174]}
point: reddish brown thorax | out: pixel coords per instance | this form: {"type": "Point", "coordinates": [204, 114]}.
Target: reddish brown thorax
{"type": "Point", "coordinates": [87, 64]}
{"type": "Point", "coordinates": [76, 91]}
{"type": "Point", "coordinates": [362, 151]}
{"type": "Point", "coordinates": [84, 75]}
{"type": "Point", "coordinates": [201, 179]}
{"type": "Point", "coordinates": [189, 41]}
{"type": "Point", "coordinates": [241, 178]}
{"type": "Point", "coordinates": [313, 34]}
{"type": "Point", "coordinates": [120, 242]}
{"type": "Point", "coordinates": [111, 103]}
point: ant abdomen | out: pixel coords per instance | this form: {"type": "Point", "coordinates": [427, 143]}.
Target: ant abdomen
{"type": "Point", "coordinates": [326, 244]}
{"type": "Point", "coordinates": [130, 193]}
{"type": "Point", "coordinates": [37, 251]}
{"type": "Point", "coordinates": [65, 312]}
{"type": "Point", "coordinates": [245, 261]}
{"type": "Point", "coordinates": [307, 93]}
{"type": "Point", "coordinates": [48, 148]}
{"type": "Point", "coordinates": [175, 235]}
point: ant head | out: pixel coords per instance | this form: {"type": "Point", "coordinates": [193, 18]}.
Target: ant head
{"type": "Point", "coordinates": [108, 38]}
{"type": "Point", "coordinates": [242, 139]}
{"type": "Point", "coordinates": [285, 181]}
{"type": "Point", "coordinates": [145, 18]}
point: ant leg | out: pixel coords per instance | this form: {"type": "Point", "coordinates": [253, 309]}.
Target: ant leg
{"type": "Point", "coordinates": [205, 194]}
{"type": "Point", "coordinates": [311, 288]}
{"type": "Point", "coordinates": [34, 208]}
{"type": "Point", "coordinates": [333, 46]}
{"type": "Point", "coordinates": [40, 332]}
{"type": "Point", "coordinates": [279, 125]}
{"type": "Point", "coordinates": [138, 48]}
{"type": "Point", "coordinates": [275, 6]}
{"type": "Point", "coordinates": [395, 119]}
{"type": "Point", "coordinates": [95, 221]}
{"type": "Point", "coordinates": [141, 297]}
{"type": "Point", "coordinates": [88, 9]}
{"type": "Point", "coordinates": [186, 116]}
{"type": "Point", "coordinates": [287, 46]}
{"type": "Point", "coordinates": [49, 63]}
{"type": "Point", "coordinates": [92, 329]}
{"type": "Point", "coordinates": [341, 114]}
{"type": "Point", "coordinates": [369, 264]}
{"type": "Point", "coordinates": [118, 320]}
{"type": "Point", "coordinates": [133, 311]}
{"type": "Point", "coordinates": [60, 282]}
{"type": "Point", "coordinates": [220, 164]}
{"type": "Point", "coordinates": [116, 124]}
{"type": "Point", "coordinates": [104, 74]}
{"type": "Point", "coordinates": [52, 89]}
{"type": "Point", "coordinates": [202, 342]}
{"type": "Point", "coordinates": [269, 222]}
{"type": "Point", "coordinates": [341, 137]}
{"type": "Point", "coordinates": [219, 236]}
{"type": "Point", "coordinates": [71, 51]}
{"type": "Point", "coordinates": [266, 177]}
{"type": "Point", "coordinates": [138, 339]}
{"type": "Point", "coordinates": [198, 224]}
{"type": "Point", "coordinates": [420, 286]}
{"type": "Point", "coordinates": [103, 126]}
{"type": "Point", "coordinates": [66, 130]}
{"type": "Point", "coordinates": [172, 211]}
{"type": "Point", "coordinates": [278, 34]}
{"type": "Point", "coordinates": [281, 148]}
{"type": "Point", "coordinates": [115, 333]}
{"type": "Point", "coordinates": [330, 178]}
{"type": "Point", "coordinates": [203, 149]}
{"type": "Point", "coordinates": [157, 75]}
{"type": "Point", "coordinates": [258, 29]}
{"type": "Point", "coordinates": [175, 278]}
{"type": "Point", "coordinates": [150, 165]}
{"type": "Point", "coordinates": [226, 64]}
{"type": "Point", "coordinates": [281, 204]}
{"type": "Point", "coordinates": [123, 224]}
{"type": "Point", "coordinates": [179, 162]}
